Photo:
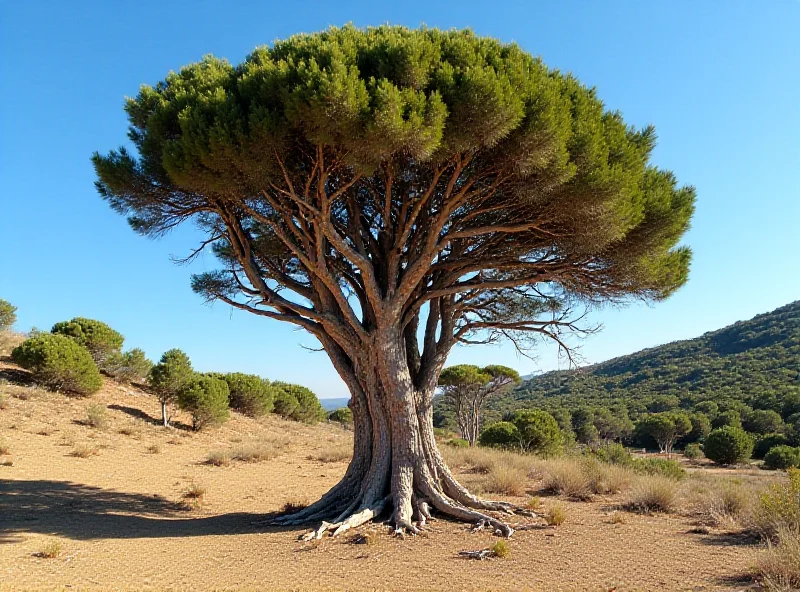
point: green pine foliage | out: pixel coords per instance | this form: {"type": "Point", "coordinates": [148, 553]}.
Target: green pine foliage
{"type": "Point", "coordinates": [728, 445]}
{"type": "Point", "coordinates": [8, 315]}
{"type": "Point", "coordinates": [250, 394]}
{"type": "Point", "coordinates": [502, 434]}
{"type": "Point", "coordinates": [206, 398]}
{"type": "Point", "coordinates": [538, 431]}
{"type": "Point", "coordinates": [59, 363]}
{"type": "Point", "coordinates": [172, 372]}
{"type": "Point", "coordinates": [767, 442]}
{"type": "Point", "coordinates": [298, 403]}
{"type": "Point", "coordinates": [129, 367]}
{"type": "Point", "coordinates": [343, 415]}
{"type": "Point", "coordinates": [782, 457]}
{"type": "Point", "coordinates": [101, 340]}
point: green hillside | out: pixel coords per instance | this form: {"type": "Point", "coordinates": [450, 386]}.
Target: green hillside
{"type": "Point", "coordinates": [755, 362]}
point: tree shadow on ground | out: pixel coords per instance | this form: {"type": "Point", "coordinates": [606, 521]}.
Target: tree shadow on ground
{"type": "Point", "coordinates": [84, 512]}
{"type": "Point", "coordinates": [146, 417]}
{"type": "Point", "coordinates": [731, 539]}
{"type": "Point", "coordinates": [16, 377]}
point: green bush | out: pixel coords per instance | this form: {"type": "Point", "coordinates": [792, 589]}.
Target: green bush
{"type": "Point", "coordinates": [343, 415]}
{"type": "Point", "coordinates": [58, 363]}
{"type": "Point", "coordinates": [782, 457]}
{"type": "Point", "coordinates": [307, 409]}
{"type": "Point", "coordinates": [128, 367]}
{"type": "Point", "coordinates": [614, 454]}
{"type": "Point", "coordinates": [8, 315]}
{"type": "Point", "coordinates": [502, 434]}
{"type": "Point", "coordinates": [659, 466]}
{"type": "Point", "coordinates": [538, 431]}
{"type": "Point", "coordinates": [693, 450]}
{"type": "Point", "coordinates": [206, 398]}
{"type": "Point", "coordinates": [250, 394]}
{"type": "Point", "coordinates": [766, 443]}
{"type": "Point", "coordinates": [100, 339]}
{"type": "Point", "coordinates": [458, 443]}
{"type": "Point", "coordinates": [728, 445]}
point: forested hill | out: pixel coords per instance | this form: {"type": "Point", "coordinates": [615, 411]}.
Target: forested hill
{"type": "Point", "coordinates": [752, 361]}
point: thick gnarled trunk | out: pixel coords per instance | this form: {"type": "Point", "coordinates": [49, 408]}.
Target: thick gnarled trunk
{"type": "Point", "coordinates": [396, 462]}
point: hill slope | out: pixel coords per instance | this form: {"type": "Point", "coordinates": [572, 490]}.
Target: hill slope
{"type": "Point", "coordinates": [758, 359]}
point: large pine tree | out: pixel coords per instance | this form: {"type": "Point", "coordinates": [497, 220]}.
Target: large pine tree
{"type": "Point", "coordinates": [395, 192]}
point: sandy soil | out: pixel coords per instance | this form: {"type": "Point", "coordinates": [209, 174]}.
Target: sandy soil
{"type": "Point", "coordinates": [123, 523]}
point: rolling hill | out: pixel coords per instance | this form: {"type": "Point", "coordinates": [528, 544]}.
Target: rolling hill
{"type": "Point", "coordinates": [754, 361]}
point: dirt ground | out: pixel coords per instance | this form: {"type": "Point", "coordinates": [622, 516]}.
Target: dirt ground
{"type": "Point", "coordinates": [123, 522]}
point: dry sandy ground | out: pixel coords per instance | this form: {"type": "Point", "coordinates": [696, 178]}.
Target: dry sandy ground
{"type": "Point", "coordinates": [123, 524]}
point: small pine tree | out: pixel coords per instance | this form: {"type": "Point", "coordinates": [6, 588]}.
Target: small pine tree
{"type": "Point", "coordinates": [782, 457]}
{"type": "Point", "coordinates": [100, 339]}
{"type": "Point", "coordinates": [538, 431]}
{"type": "Point", "coordinates": [57, 362]}
{"type": "Point", "coordinates": [8, 315]}
{"type": "Point", "coordinates": [308, 408]}
{"type": "Point", "coordinates": [128, 367]}
{"type": "Point", "coordinates": [728, 445]}
{"type": "Point", "coordinates": [502, 434]}
{"type": "Point", "coordinates": [206, 398]}
{"type": "Point", "coordinates": [168, 377]}
{"type": "Point", "coordinates": [343, 415]}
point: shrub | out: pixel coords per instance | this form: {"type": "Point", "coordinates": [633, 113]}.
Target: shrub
{"type": "Point", "coordinates": [206, 399]}
{"type": "Point", "coordinates": [728, 445]}
{"type": "Point", "coordinates": [659, 466]}
{"type": "Point", "coordinates": [308, 409]}
{"type": "Point", "coordinates": [782, 457]}
{"type": "Point", "coordinates": [4, 449]}
{"type": "Point", "coordinates": [766, 443]}
{"type": "Point", "coordinates": [458, 443]}
{"type": "Point", "coordinates": [8, 315]}
{"type": "Point", "coordinates": [285, 403]}
{"type": "Point", "coordinates": [128, 367]}
{"type": "Point", "coordinates": [169, 376]}
{"type": "Point", "coordinates": [693, 451]}
{"type": "Point", "coordinates": [249, 394]}
{"type": "Point", "coordinates": [96, 416]}
{"type": "Point", "coordinates": [500, 549]}
{"type": "Point", "coordinates": [556, 515]}
{"type": "Point", "coordinates": [154, 448]}
{"type": "Point", "coordinates": [605, 478]}
{"type": "Point", "coordinates": [538, 431]}
{"type": "Point", "coordinates": [194, 492]}
{"type": "Point", "coordinates": [502, 434]}
{"type": "Point", "coordinates": [84, 451]}
{"type": "Point", "coordinates": [615, 454]}
{"type": "Point", "coordinates": [100, 339]}
{"type": "Point", "coordinates": [653, 493]}
{"type": "Point", "coordinates": [343, 415]}
{"type": "Point", "coordinates": [58, 363]}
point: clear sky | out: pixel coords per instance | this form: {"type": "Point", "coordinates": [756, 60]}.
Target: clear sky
{"type": "Point", "coordinates": [720, 80]}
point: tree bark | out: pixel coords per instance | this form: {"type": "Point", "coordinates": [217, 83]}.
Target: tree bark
{"type": "Point", "coordinates": [396, 463]}
{"type": "Point", "coordinates": [164, 416]}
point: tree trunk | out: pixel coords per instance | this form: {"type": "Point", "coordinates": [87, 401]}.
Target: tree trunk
{"type": "Point", "coordinates": [396, 462]}
{"type": "Point", "coordinates": [164, 416]}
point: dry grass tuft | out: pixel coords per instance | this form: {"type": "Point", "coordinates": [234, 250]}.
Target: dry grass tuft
{"type": "Point", "coordinates": [294, 505]}
{"type": "Point", "coordinates": [616, 518]}
{"type": "Point", "coordinates": [653, 493]}
{"type": "Point", "coordinates": [84, 451]}
{"type": "Point", "coordinates": [556, 515]}
{"type": "Point", "coordinates": [506, 479]}
{"type": "Point", "coordinates": [4, 449]}
{"type": "Point", "coordinates": [566, 476]}
{"type": "Point", "coordinates": [334, 453]}
{"type": "Point", "coordinates": [194, 493]}
{"type": "Point", "coordinates": [3, 401]}
{"type": "Point", "coordinates": [256, 452]}
{"type": "Point", "coordinates": [6, 462]}
{"type": "Point", "coordinates": [9, 340]}
{"type": "Point", "coordinates": [219, 458]}
{"type": "Point", "coordinates": [154, 448]}
{"type": "Point", "coordinates": [96, 416]}
{"type": "Point", "coordinates": [130, 430]}
{"type": "Point", "coordinates": [779, 565]}
{"type": "Point", "coordinates": [534, 503]}
{"type": "Point", "coordinates": [51, 550]}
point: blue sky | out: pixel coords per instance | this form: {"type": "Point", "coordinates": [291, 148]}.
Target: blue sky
{"type": "Point", "coordinates": [719, 80]}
